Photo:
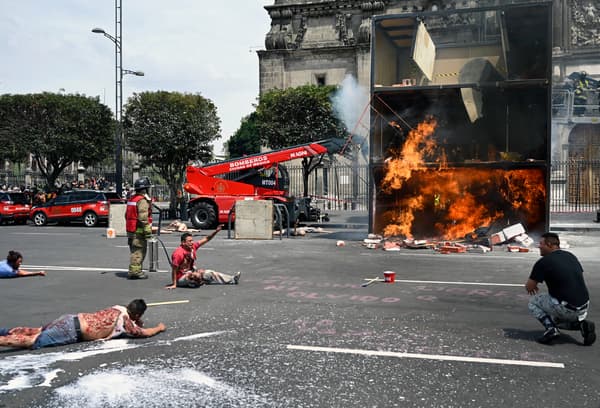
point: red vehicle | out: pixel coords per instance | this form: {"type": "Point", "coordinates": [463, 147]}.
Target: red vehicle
{"type": "Point", "coordinates": [14, 206]}
{"type": "Point", "coordinates": [89, 206]}
{"type": "Point", "coordinates": [218, 186]}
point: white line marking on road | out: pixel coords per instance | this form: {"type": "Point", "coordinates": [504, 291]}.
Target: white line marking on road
{"type": "Point", "coordinates": [460, 283]}
{"type": "Point", "coordinates": [72, 268]}
{"type": "Point", "coordinates": [199, 335]}
{"type": "Point", "coordinates": [79, 268]}
{"type": "Point", "coordinates": [45, 233]}
{"type": "Point", "coordinates": [463, 359]}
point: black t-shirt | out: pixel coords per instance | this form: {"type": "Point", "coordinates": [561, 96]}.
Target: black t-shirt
{"type": "Point", "coordinates": [563, 275]}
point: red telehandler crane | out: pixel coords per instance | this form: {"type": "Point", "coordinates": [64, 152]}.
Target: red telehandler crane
{"type": "Point", "coordinates": [217, 186]}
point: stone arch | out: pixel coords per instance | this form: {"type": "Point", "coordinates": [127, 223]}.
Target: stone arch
{"type": "Point", "coordinates": [584, 142]}
{"type": "Point", "coordinates": [584, 164]}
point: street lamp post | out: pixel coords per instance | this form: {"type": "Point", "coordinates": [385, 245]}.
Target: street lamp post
{"type": "Point", "coordinates": [119, 72]}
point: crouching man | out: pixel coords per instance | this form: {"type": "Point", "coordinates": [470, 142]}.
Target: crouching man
{"type": "Point", "coordinates": [567, 302]}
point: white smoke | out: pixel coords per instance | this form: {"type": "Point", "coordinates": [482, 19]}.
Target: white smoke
{"type": "Point", "coordinates": [350, 106]}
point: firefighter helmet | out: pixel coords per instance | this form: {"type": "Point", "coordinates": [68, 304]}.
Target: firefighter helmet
{"type": "Point", "coordinates": [142, 183]}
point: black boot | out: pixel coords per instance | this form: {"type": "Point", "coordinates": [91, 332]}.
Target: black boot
{"type": "Point", "coordinates": [551, 331]}
{"type": "Point", "coordinates": [588, 331]}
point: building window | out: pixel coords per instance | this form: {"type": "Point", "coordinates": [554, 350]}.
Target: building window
{"type": "Point", "coordinates": [320, 79]}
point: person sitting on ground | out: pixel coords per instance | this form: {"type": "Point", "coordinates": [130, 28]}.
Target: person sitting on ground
{"type": "Point", "coordinates": [116, 321]}
{"type": "Point", "coordinates": [11, 267]}
{"type": "Point", "coordinates": [567, 303]}
{"type": "Point", "coordinates": [183, 272]}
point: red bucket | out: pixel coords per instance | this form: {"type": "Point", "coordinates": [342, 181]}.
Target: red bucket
{"type": "Point", "coordinates": [389, 276]}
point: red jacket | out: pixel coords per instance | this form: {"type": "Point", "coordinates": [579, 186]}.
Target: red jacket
{"type": "Point", "coordinates": [131, 213]}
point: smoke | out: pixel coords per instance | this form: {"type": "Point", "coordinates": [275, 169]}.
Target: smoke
{"type": "Point", "coordinates": [350, 106]}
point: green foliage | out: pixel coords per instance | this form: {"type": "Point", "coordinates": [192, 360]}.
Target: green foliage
{"type": "Point", "coordinates": [170, 129]}
{"type": "Point", "coordinates": [56, 129]}
{"type": "Point", "coordinates": [246, 140]}
{"type": "Point", "coordinates": [295, 116]}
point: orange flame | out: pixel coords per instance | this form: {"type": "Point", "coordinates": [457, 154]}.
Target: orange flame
{"type": "Point", "coordinates": [451, 203]}
{"type": "Point", "coordinates": [418, 143]}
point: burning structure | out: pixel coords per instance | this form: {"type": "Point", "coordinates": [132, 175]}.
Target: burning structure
{"type": "Point", "coordinates": [460, 123]}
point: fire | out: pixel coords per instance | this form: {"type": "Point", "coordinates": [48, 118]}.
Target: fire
{"type": "Point", "coordinates": [418, 144]}
{"type": "Point", "coordinates": [437, 201]}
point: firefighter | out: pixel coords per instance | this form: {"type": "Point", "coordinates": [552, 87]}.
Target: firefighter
{"type": "Point", "coordinates": [138, 222]}
{"type": "Point", "coordinates": [582, 86]}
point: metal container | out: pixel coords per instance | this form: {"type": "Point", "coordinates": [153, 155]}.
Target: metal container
{"type": "Point", "coordinates": [153, 254]}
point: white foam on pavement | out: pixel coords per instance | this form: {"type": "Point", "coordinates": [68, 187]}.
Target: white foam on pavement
{"type": "Point", "coordinates": [149, 387]}
{"type": "Point", "coordinates": [35, 369]}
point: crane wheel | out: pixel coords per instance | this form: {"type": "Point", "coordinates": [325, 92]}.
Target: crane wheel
{"type": "Point", "coordinates": [204, 215]}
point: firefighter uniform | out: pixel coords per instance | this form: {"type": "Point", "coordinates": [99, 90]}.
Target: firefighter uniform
{"type": "Point", "coordinates": [138, 216]}
{"type": "Point", "coordinates": [582, 86]}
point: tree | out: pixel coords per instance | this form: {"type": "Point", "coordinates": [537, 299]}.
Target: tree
{"type": "Point", "coordinates": [57, 130]}
{"type": "Point", "coordinates": [296, 116]}
{"type": "Point", "coordinates": [170, 129]}
{"type": "Point", "coordinates": [246, 140]}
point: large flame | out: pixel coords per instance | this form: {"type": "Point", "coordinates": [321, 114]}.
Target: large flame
{"type": "Point", "coordinates": [418, 143]}
{"type": "Point", "coordinates": [441, 202]}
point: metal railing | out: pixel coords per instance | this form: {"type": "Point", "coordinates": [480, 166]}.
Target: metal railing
{"type": "Point", "coordinates": [568, 106]}
{"type": "Point", "coordinates": [574, 186]}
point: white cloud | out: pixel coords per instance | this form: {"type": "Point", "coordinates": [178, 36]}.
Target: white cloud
{"type": "Point", "coordinates": [187, 46]}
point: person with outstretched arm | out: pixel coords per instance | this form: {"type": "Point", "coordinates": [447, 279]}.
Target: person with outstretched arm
{"type": "Point", "coordinates": [11, 267]}
{"type": "Point", "coordinates": [110, 323]}
{"type": "Point", "coordinates": [183, 271]}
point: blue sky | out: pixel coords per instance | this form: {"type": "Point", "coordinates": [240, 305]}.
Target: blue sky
{"type": "Point", "coordinates": [195, 46]}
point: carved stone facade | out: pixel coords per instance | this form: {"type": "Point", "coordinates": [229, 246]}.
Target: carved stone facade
{"type": "Point", "coordinates": [585, 23]}
{"type": "Point", "coordinates": [313, 40]}
{"type": "Point", "coordinates": [322, 41]}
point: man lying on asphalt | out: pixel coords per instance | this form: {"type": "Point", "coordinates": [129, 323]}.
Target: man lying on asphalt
{"type": "Point", "coordinates": [116, 321]}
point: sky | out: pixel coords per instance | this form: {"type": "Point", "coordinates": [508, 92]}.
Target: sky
{"type": "Point", "coordinates": [191, 46]}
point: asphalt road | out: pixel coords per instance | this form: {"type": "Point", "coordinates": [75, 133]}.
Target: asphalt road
{"type": "Point", "coordinates": [299, 330]}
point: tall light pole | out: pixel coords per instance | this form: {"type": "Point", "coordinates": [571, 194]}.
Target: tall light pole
{"type": "Point", "coordinates": [119, 72]}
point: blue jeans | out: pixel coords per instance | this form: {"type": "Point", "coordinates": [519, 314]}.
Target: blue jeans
{"type": "Point", "coordinates": [57, 333]}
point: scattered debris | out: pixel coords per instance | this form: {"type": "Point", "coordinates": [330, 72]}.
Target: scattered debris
{"type": "Point", "coordinates": [372, 243]}
{"type": "Point", "coordinates": [479, 249]}
{"type": "Point", "coordinates": [451, 247]}
{"type": "Point", "coordinates": [302, 231]}
{"type": "Point", "coordinates": [524, 239]}
{"type": "Point", "coordinates": [340, 243]}
{"type": "Point", "coordinates": [391, 246]}
{"type": "Point", "coordinates": [418, 244]}
{"type": "Point", "coordinates": [516, 248]}
{"type": "Point", "coordinates": [513, 231]}
{"type": "Point", "coordinates": [481, 241]}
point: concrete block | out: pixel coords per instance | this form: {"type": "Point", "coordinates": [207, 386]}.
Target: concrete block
{"type": "Point", "coordinates": [497, 238]}
{"type": "Point", "coordinates": [524, 240]}
{"type": "Point", "coordinates": [513, 231]}
{"type": "Point", "coordinates": [116, 219]}
{"type": "Point", "coordinates": [254, 219]}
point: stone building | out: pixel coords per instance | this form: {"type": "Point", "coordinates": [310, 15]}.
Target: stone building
{"type": "Point", "coordinates": [320, 42]}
